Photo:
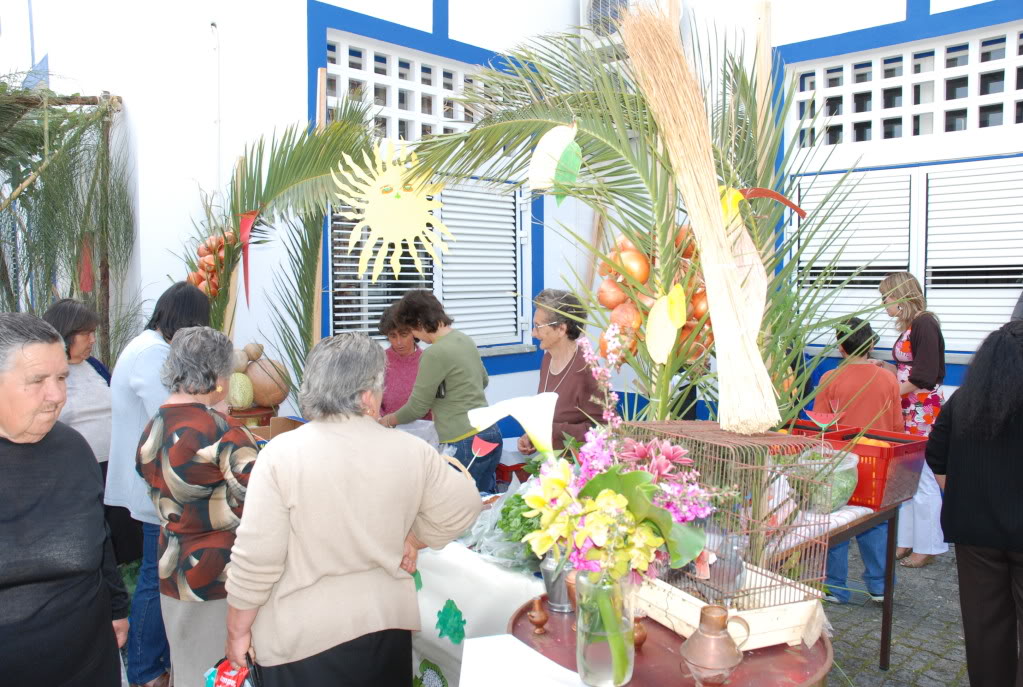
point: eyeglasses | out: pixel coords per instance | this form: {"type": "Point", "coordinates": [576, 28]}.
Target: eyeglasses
{"type": "Point", "coordinates": [541, 326]}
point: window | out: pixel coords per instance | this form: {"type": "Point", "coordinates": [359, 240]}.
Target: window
{"type": "Point", "coordinates": [833, 134]}
{"type": "Point", "coordinates": [331, 86]}
{"type": "Point", "coordinates": [923, 62]}
{"type": "Point", "coordinates": [834, 77]}
{"type": "Point", "coordinates": [957, 88]}
{"type": "Point", "coordinates": [806, 106]}
{"type": "Point", "coordinates": [892, 67]}
{"type": "Point", "coordinates": [807, 138]}
{"type": "Point", "coordinates": [923, 93]}
{"type": "Point", "coordinates": [331, 53]}
{"type": "Point", "coordinates": [1019, 111]}
{"type": "Point", "coordinates": [992, 49]}
{"type": "Point", "coordinates": [833, 106]}
{"type": "Point", "coordinates": [955, 120]}
{"type": "Point", "coordinates": [862, 102]}
{"type": "Point", "coordinates": [482, 277]}
{"type": "Point", "coordinates": [861, 72]}
{"type": "Point", "coordinates": [992, 82]}
{"type": "Point", "coordinates": [807, 82]}
{"type": "Point", "coordinates": [1019, 78]}
{"type": "Point", "coordinates": [957, 56]}
{"type": "Point", "coordinates": [892, 128]}
{"type": "Point", "coordinates": [893, 97]}
{"type": "Point", "coordinates": [990, 115]}
{"type": "Point", "coordinates": [923, 124]}
{"type": "Point", "coordinates": [861, 131]}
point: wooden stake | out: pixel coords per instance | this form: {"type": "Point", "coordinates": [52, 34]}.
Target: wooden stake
{"type": "Point", "coordinates": [316, 327]}
{"type": "Point", "coordinates": [232, 294]}
{"type": "Point", "coordinates": [596, 237]}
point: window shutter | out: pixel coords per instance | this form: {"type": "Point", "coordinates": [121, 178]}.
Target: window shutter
{"type": "Point", "coordinates": [480, 274]}
{"type": "Point", "coordinates": [357, 303]}
{"type": "Point", "coordinates": [974, 249]}
{"type": "Point", "coordinates": [871, 212]}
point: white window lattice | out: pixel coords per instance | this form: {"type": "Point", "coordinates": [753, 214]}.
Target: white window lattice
{"type": "Point", "coordinates": [482, 278]}
{"type": "Point", "coordinates": [932, 88]}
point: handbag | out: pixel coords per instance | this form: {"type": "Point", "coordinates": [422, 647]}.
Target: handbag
{"type": "Point", "coordinates": [223, 674]}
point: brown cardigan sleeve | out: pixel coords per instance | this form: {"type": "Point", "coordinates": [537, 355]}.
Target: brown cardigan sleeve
{"type": "Point", "coordinates": [928, 346]}
{"type": "Point", "coordinates": [576, 404]}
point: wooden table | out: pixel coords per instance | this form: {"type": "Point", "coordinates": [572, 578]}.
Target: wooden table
{"type": "Point", "coordinates": [858, 526]}
{"type": "Point", "coordinates": [658, 662]}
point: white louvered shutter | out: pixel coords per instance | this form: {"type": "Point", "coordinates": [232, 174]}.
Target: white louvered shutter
{"type": "Point", "coordinates": [974, 249]}
{"type": "Point", "coordinates": [480, 278]}
{"type": "Point", "coordinates": [871, 212]}
{"type": "Point", "coordinates": [356, 303]}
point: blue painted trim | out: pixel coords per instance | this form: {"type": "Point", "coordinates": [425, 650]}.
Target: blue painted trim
{"type": "Point", "coordinates": [913, 164]}
{"type": "Point", "coordinates": [440, 19]}
{"type": "Point", "coordinates": [325, 280]}
{"type": "Point", "coordinates": [526, 362]}
{"type": "Point", "coordinates": [919, 24]}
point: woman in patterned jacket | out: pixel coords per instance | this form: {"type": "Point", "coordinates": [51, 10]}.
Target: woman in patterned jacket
{"type": "Point", "coordinates": [196, 462]}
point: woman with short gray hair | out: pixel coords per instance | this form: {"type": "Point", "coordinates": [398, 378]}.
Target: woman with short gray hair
{"type": "Point", "coordinates": [197, 462]}
{"type": "Point", "coordinates": [63, 608]}
{"type": "Point", "coordinates": [320, 583]}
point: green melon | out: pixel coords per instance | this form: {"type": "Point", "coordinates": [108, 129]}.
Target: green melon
{"type": "Point", "coordinates": [239, 391]}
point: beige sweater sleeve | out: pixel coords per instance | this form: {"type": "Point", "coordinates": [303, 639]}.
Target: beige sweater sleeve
{"type": "Point", "coordinates": [261, 541]}
{"type": "Point", "coordinates": [450, 503]}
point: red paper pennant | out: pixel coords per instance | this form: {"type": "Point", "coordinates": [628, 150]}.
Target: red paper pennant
{"type": "Point", "coordinates": [244, 234]}
{"type": "Point", "coordinates": [481, 447]}
{"type": "Point", "coordinates": [86, 283]}
{"type": "Point", "coordinates": [750, 193]}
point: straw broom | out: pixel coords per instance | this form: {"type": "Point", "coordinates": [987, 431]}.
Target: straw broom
{"type": "Point", "coordinates": [746, 395]}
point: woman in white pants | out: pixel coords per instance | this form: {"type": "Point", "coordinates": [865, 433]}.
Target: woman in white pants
{"type": "Point", "coordinates": [919, 354]}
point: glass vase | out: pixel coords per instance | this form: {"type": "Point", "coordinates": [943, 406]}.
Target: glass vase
{"type": "Point", "coordinates": [605, 652]}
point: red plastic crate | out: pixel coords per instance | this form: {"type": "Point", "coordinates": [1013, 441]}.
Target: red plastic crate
{"type": "Point", "coordinates": [505, 472]}
{"type": "Point", "coordinates": [887, 475]}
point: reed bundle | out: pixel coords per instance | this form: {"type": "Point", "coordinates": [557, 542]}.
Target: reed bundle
{"type": "Point", "coordinates": [736, 280]}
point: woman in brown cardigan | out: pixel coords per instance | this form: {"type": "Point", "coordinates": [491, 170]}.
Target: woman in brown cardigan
{"type": "Point", "coordinates": [319, 582]}
{"type": "Point", "coordinates": [557, 326]}
{"type": "Point", "coordinates": [919, 354]}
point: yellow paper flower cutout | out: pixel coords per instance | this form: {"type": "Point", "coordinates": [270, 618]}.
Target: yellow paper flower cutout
{"type": "Point", "coordinates": [395, 212]}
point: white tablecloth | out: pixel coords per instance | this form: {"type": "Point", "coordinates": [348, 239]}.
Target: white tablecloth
{"type": "Point", "coordinates": [487, 595]}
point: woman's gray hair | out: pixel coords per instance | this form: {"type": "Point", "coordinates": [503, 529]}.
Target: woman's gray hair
{"type": "Point", "coordinates": [564, 308]}
{"type": "Point", "coordinates": [199, 356]}
{"type": "Point", "coordinates": [18, 329]}
{"type": "Point", "coordinates": [337, 372]}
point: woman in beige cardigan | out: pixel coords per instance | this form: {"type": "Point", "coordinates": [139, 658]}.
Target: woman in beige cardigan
{"type": "Point", "coordinates": [319, 585]}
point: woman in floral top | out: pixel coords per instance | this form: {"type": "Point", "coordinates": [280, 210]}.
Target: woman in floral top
{"type": "Point", "coordinates": [196, 462]}
{"type": "Point", "coordinates": [919, 354]}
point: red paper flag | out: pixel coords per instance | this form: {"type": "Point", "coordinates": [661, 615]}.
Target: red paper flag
{"type": "Point", "coordinates": [750, 193]}
{"type": "Point", "coordinates": [481, 447]}
{"type": "Point", "coordinates": [244, 234]}
{"type": "Point", "coordinates": [85, 279]}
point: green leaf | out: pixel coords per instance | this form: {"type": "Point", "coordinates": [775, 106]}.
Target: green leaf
{"type": "Point", "coordinates": [684, 542]}
{"type": "Point", "coordinates": [567, 171]}
{"type": "Point", "coordinates": [450, 622]}
{"type": "Point", "coordinates": [419, 580]}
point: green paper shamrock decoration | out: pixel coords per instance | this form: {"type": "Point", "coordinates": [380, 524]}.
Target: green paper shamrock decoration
{"type": "Point", "coordinates": [419, 580]}
{"type": "Point", "coordinates": [450, 622]}
{"type": "Point", "coordinates": [567, 171]}
{"type": "Point", "coordinates": [430, 675]}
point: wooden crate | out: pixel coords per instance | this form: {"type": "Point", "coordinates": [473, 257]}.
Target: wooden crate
{"type": "Point", "coordinates": [790, 623]}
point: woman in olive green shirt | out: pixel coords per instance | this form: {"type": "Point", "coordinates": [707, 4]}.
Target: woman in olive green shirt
{"type": "Point", "coordinates": [450, 383]}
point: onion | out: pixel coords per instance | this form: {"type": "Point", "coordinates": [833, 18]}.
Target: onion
{"type": "Point", "coordinates": [607, 269]}
{"type": "Point", "coordinates": [269, 382]}
{"type": "Point", "coordinates": [627, 317]}
{"type": "Point", "coordinates": [229, 238]}
{"type": "Point", "coordinates": [203, 250]}
{"type": "Point", "coordinates": [239, 360]}
{"type": "Point", "coordinates": [635, 265]}
{"type": "Point", "coordinates": [610, 294]}
{"type": "Point", "coordinates": [622, 244]}
{"type": "Point", "coordinates": [194, 278]}
{"type": "Point", "coordinates": [685, 236]}
{"type": "Point", "coordinates": [698, 304]}
{"type": "Point", "coordinates": [208, 263]}
{"type": "Point", "coordinates": [253, 350]}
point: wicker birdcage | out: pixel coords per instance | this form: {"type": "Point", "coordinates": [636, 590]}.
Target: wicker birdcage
{"type": "Point", "coordinates": [769, 542]}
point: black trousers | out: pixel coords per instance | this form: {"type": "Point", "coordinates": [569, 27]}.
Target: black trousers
{"type": "Point", "coordinates": [991, 599]}
{"type": "Point", "coordinates": [125, 531]}
{"type": "Point", "coordinates": [379, 659]}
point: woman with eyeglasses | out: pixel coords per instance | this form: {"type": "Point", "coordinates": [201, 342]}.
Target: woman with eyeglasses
{"type": "Point", "coordinates": [557, 325]}
{"type": "Point", "coordinates": [919, 354]}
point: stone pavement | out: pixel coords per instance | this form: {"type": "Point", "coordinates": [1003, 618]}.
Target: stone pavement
{"type": "Point", "coordinates": [927, 633]}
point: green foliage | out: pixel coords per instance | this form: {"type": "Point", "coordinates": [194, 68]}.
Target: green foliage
{"type": "Point", "coordinates": [627, 179]}
{"type": "Point", "coordinates": [512, 522]}
{"type": "Point", "coordinates": [683, 541]}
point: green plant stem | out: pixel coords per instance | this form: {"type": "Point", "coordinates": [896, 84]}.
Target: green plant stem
{"type": "Point", "coordinates": [615, 637]}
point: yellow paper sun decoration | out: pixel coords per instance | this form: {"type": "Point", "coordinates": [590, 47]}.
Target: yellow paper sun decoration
{"type": "Point", "coordinates": [393, 210]}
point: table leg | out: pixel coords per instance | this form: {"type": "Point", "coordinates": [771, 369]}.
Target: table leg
{"type": "Point", "coordinates": [889, 591]}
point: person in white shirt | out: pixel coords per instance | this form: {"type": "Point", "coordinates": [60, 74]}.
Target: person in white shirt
{"type": "Point", "coordinates": [87, 409]}
{"type": "Point", "coordinates": [136, 395]}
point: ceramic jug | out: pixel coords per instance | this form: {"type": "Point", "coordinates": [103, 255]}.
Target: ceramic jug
{"type": "Point", "coordinates": [710, 653]}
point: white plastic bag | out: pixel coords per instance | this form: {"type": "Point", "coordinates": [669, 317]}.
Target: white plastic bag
{"type": "Point", "coordinates": [424, 429]}
{"type": "Point", "coordinates": [491, 542]}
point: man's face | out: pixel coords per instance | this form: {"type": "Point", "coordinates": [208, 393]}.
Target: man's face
{"type": "Point", "coordinates": [32, 392]}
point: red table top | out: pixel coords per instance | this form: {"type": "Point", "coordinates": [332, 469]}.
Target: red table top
{"type": "Point", "coordinates": [658, 662]}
